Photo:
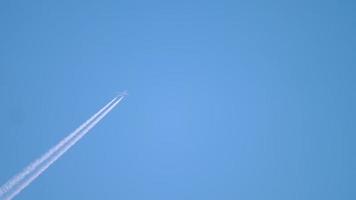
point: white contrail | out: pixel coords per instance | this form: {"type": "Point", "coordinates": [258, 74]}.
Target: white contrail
{"type": "Point", "coordinates": [52, 159]}
{"type": "Point", "coordinates": [37, 168]}
{"type": "Point", "coordinates": [31, 167]}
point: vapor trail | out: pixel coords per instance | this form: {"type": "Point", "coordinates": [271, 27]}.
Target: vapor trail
{"type": "Point", "coordinates": [39, 166]}
{"type": "Point", "coordinates": [32, 166]}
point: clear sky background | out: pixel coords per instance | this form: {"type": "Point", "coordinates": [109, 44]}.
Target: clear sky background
{"type": "Point", "coordinates": [228, 99]}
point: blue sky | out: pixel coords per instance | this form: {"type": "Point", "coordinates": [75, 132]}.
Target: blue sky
{"type": "Point", "coordinates": [228, 99]}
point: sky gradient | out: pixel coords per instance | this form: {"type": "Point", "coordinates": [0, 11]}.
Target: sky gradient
{"type": "Point", "coordinates": [227, 99]}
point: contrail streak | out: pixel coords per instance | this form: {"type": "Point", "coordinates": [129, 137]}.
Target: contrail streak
{"type": "Point", "coordinates": [31, 167]}
{"type": "Point", "coordinates": [35, 169]}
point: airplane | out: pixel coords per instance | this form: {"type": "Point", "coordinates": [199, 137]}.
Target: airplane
{"type": "Point", "coordinates": [122, 94]}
